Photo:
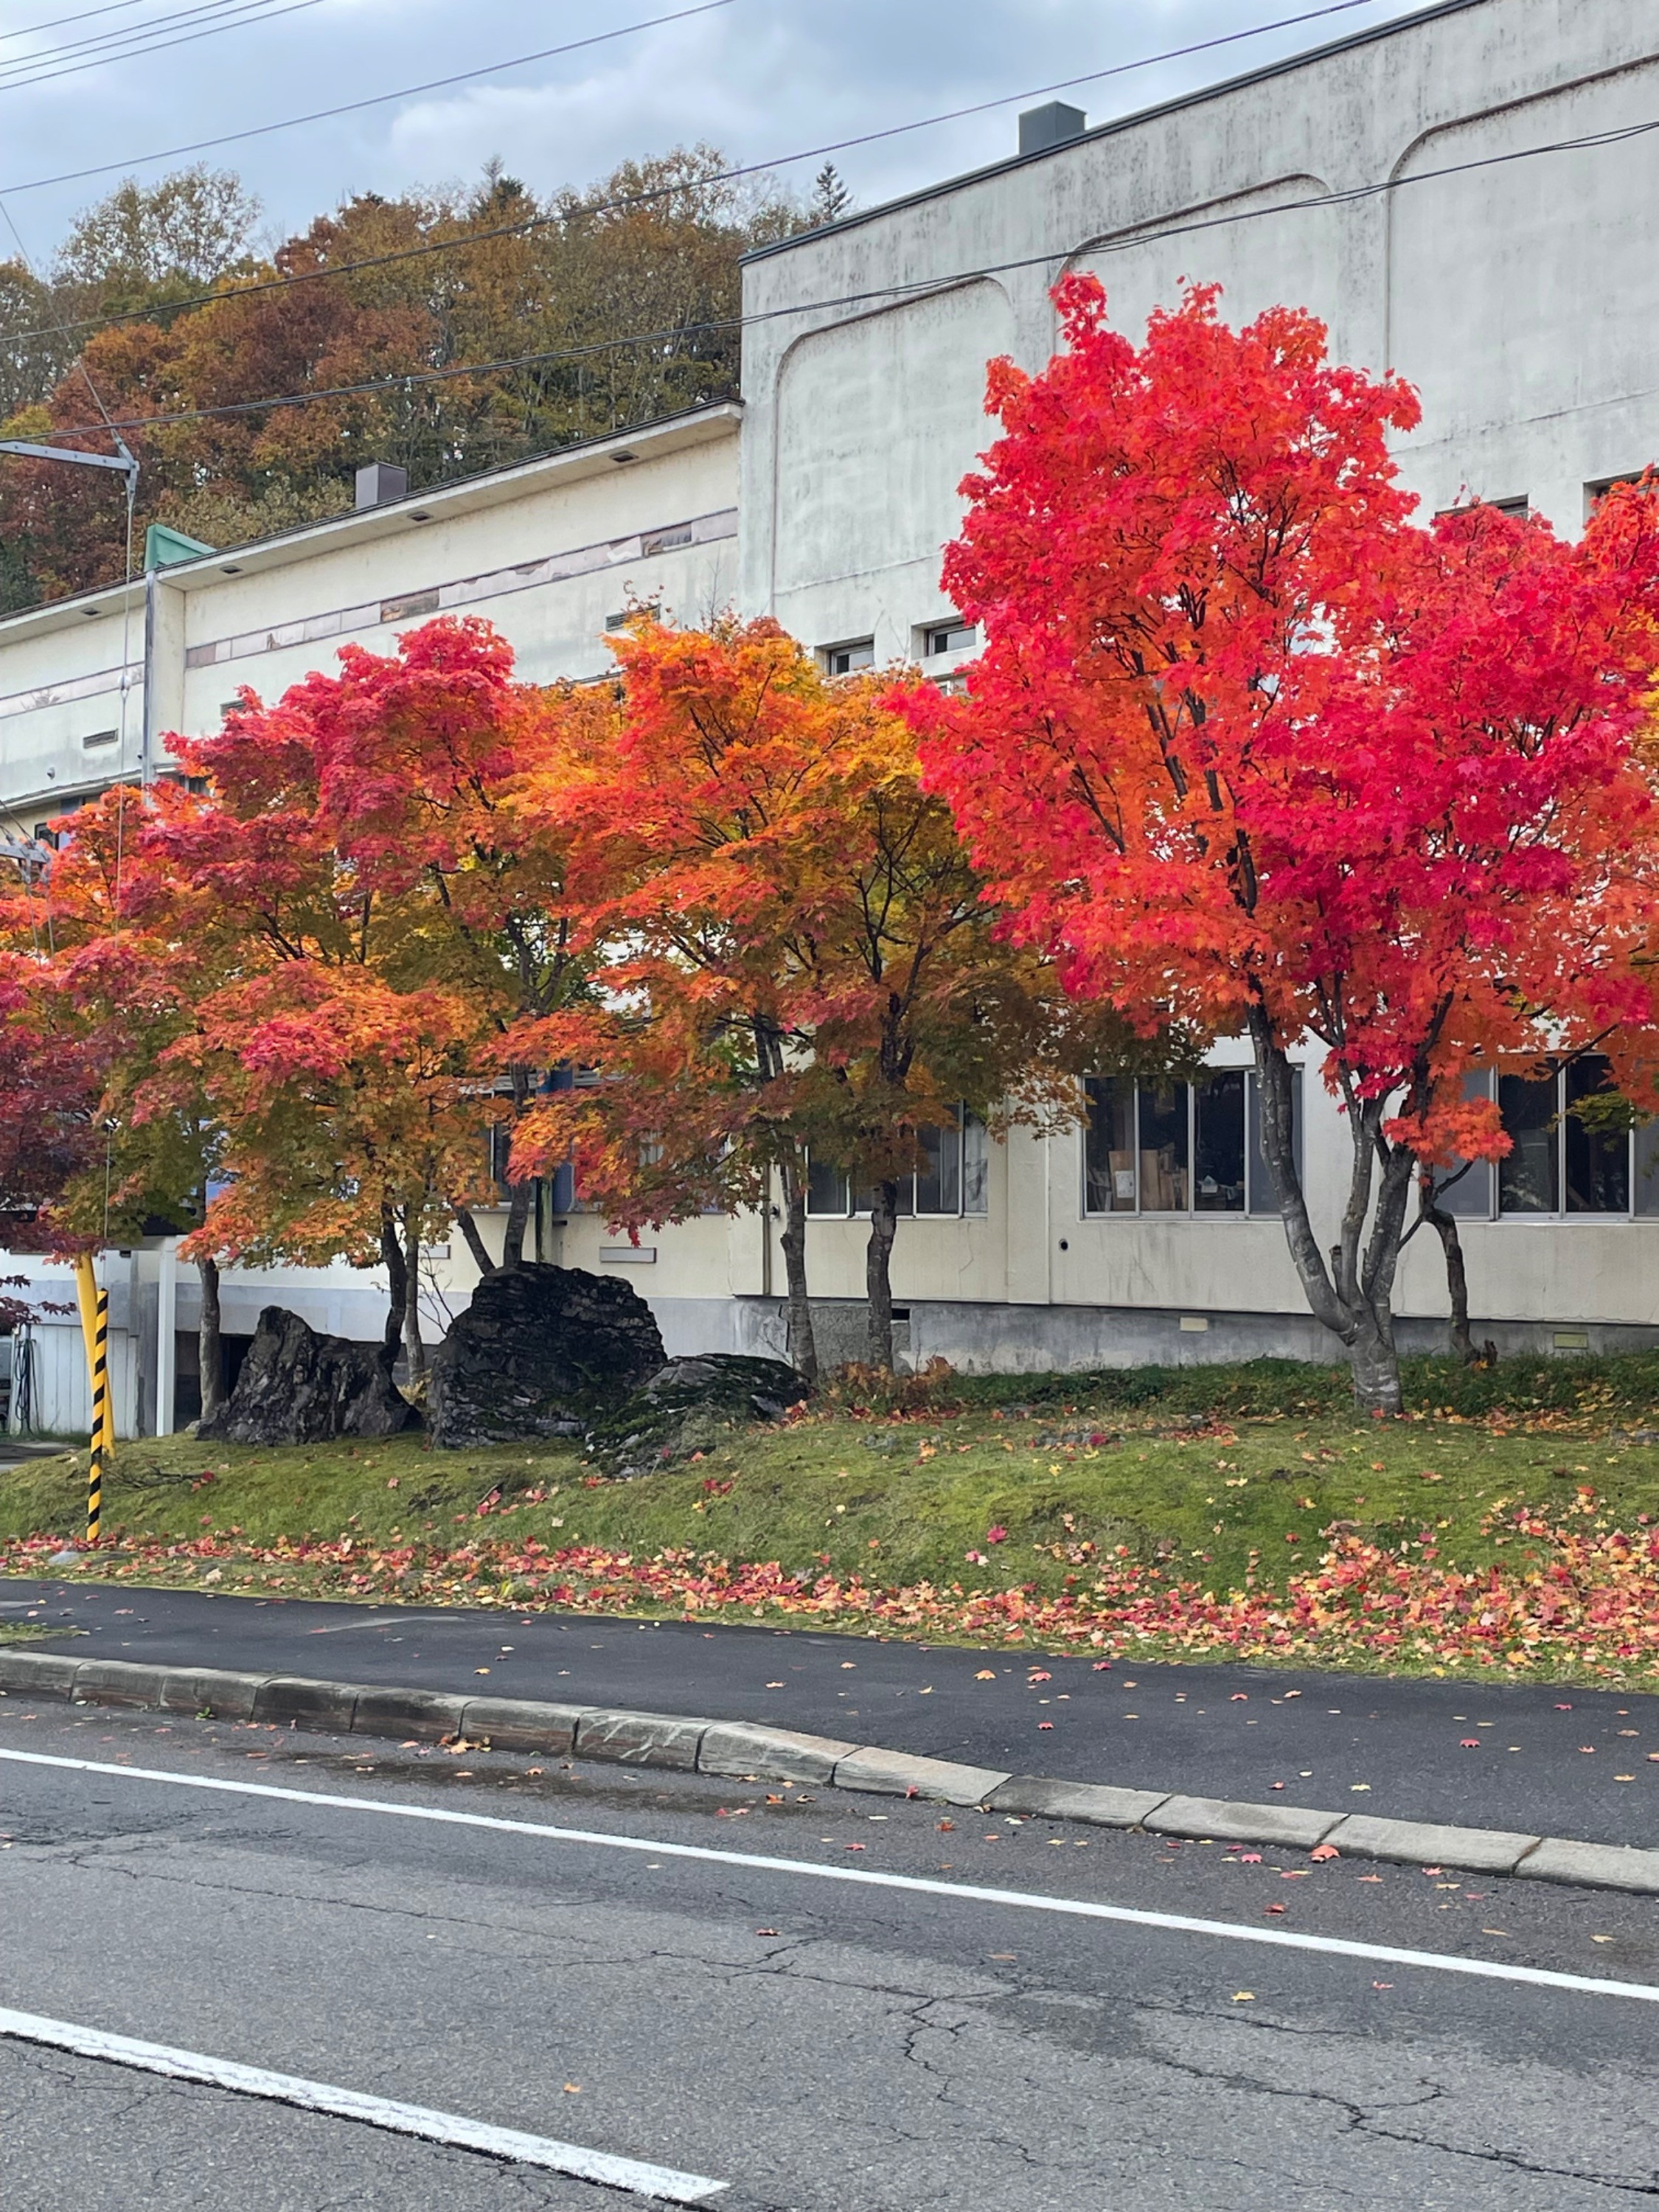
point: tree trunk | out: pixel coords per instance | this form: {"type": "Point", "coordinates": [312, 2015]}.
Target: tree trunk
{"type": "Point", "coordinates": [518, 1220]}
{"type": "Point", "coordinates": [878, 1278]}
{"type": "Point", "coordinates": [397, 1268]}
{"type": "Point", "coordinates": [414, 1350]}
{"type": "Point", "coordinates": [1352, 1297]}
{"type": "Point", "coordinates": [473, 1241]}
{"type": "Point", "coordinates": [1444, 1226]}
{"type": "Point", "coordinates": [209, 1351]}
{"type": "Point", "coordinates": [803, 1345]}
{"type": "Point", "coordinates": [1376, 1366]}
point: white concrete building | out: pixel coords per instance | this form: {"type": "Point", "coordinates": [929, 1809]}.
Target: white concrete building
{"type": "Point", "coordinates": [1465, 196]}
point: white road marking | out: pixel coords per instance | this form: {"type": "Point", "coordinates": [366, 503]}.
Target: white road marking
{"type": "Point", "coordinates": [660, 2182]}
{"type": "Point", "coordinates": [344, 1627]}
{"type": "Point", "coordinates": [1282, 1939]}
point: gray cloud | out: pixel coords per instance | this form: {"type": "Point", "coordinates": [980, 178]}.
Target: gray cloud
{"type": "Point", "coordinates": [758, 79]}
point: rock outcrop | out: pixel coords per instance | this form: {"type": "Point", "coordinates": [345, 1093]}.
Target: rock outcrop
{"type": "Point", "coordinates": [691, 1405]}
{"type": "Point", "coordinates": [298, 1387]}
{"type": "Point", "coordinates": [541, 1352]}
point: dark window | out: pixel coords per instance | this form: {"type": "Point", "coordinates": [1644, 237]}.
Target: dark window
{"type": "Point", "coordinates": [949, 637]}
{"type": "Point", "coordinates": [1109, 1147]}
{"type": "Point", "coordinates": [826, 1187]}
{"type": "Point", "coordinates": [952, 1181]}
{"type": "Point", "coordinates": [1529, 1175]}
{"type": "Point", "coordinates": [1597, 1158]}
{"type": "Point", "coordinates": [842, 660]}
{"type": "Point", "coordinates": [1163, 1147]}
{"type": "Point", "coordinates": [1177, 1149]}
{"type": "Point", "coordinates": [1218, 1144]}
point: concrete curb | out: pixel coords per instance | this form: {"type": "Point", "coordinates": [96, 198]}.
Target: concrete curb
{"type": "Point", "coordinates": [753, 1751]}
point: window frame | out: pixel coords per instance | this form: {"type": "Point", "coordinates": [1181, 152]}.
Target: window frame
{"type": "Point", "coordinates": [829, 654]}
{"type": "Point", "coordinates": [1260, 1204]}
{"type": "Point", "coordinates": [935, 637]}
{"type": "Point", "coordinates": [1642, 1139]}
{"type": "Point", "coordinates": [852, 1211]}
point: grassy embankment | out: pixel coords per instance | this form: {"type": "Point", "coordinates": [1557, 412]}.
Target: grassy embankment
{"type": "Point", "coordinates": [1241, 1510]}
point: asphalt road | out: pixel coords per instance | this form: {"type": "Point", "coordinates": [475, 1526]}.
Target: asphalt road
{"type": "Point", "coordinates": [1539, 1757]}
{"type": "Point", "coordinates": [820, 2044]}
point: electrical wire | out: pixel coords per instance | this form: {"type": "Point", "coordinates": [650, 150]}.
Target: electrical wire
{"type": "Point", "coordinates": [231, 17]}
{"type": "Point", "coordinates": [921, 287]}
{"type": "Point", "coordinates": [377, 100]}
{"type": "Point", "coordinates": [624, 201]}
{"type": "Point", "coordinates": [82, 15]}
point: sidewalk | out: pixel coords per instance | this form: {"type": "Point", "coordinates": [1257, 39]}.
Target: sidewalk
{"type": "Point", "coordinates": [1537, 1758]}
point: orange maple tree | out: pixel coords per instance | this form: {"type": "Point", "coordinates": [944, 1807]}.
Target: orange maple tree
{"type": "Point", "coordinates": [805, 958]}
{"type": "Point", "coordinates": [1250, 750]}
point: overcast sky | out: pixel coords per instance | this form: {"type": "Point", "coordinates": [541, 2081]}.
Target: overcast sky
{"type": "Point", "coordinates": [760, 79]}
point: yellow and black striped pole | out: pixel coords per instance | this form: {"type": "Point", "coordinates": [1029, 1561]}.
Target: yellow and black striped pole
{"type": "Point", "coordinates": [101, 1417]}
{"type": "Point", "coordinates": [94, 1328]}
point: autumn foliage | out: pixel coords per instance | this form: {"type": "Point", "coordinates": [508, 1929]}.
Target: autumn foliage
{"type": "Point", "coordinates": [1252, 750]}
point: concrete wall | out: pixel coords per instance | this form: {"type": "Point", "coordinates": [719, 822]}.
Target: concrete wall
{"type": "Point", "coordinates": [549, 552]}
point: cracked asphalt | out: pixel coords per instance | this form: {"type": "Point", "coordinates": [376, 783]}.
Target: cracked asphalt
{"type": "Point", "coordinates": [1536, 1757]}
{"type": "Point", "coordinates": [822, 2046]}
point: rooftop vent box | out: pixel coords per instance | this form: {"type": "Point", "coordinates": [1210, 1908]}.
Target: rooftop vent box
{"type": "Point", "coordinates": [380, 482]}
{"type": "Point", "coordinates": [1040, 128]}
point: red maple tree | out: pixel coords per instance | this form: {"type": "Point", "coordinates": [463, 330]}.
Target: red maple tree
{"type": "Point", "coordinates": [1249, 751]}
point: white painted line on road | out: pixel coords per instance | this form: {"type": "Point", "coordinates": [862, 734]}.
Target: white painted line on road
{"type": "Point", "coordinates": [660, 2182]}
{"type": "Point", "coordinates": [1282, 1939]}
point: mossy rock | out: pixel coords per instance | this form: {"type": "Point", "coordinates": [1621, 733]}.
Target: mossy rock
{"type": "Point", "coordinates": [692, 1406]}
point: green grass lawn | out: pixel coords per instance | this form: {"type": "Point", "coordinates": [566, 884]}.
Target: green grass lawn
{"type": "Point", "coordinates": [1230, 1478]}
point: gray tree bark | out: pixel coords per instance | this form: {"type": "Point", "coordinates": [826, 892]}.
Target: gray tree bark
{"type": "Point", "coordinates": [802, 1345]}
{"type": "Point", "coordinates": [877, 1274]}
{"type": "Point", "coordinates": [210, 1356]}
{"type": "Point", "coordinates": [1352, 1297]}
{"type": "Point", "coordinates": [474, 1241]}
{"type": "Point", "coordinates": [413, 1349]}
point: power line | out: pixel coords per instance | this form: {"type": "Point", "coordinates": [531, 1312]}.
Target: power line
{"type": "Point", "coordinates": [378, 99]}
{"type": "Point", "coordinates": [236, 18]}
{"type": "Point", "coordinates": [921, 287]}
{"type": "Point", "coordinates": [82, 16]}
{"type": "Point", "coordinates": [627, 200]}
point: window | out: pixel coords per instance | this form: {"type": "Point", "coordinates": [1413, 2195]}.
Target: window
{"type": "Point", "coordinates": [953, 1181]}
{"type": "Point", "coordinates": [948, 637]}
{"type": "Point", "coordinates": [1562, 1160]}
{"type": "Point", "coordinates": [1180, 1148]}
{"type": "Point", "coordinates": [842, 660]}
{"type": "Point", "coordinates": [1602, 485]}
{"type": "Point", "coordinates": [1520, 506]}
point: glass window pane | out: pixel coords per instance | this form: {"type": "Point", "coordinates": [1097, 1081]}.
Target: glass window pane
{"type": "Point", "coordinates": [1162, 1148]}
{"type": "Point", "coordinates": [1264, 1199]}
{"type": "Point", "coordinates": [1646, 1178]}
{"type": "Point", "coordinates": [1464, 1189]}
{"type": "Point", "coordinates": [1108, 1147]}
{"type": "Point", "coordinates": [975, 1165]}
{"type": "Point", "coordinates": [1218, 1144]}
{"type": "Point", "coordinates": [1598, 1160]}
{"type": "Point", "coordinates": [1528, 1180]}
{"type": "Point", "coordinates": [826, 1186]}
{"type": "Point", "coordinates": [938, 1185]}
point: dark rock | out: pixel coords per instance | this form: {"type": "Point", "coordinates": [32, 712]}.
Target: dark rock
{"type": "Point", "coordinates": [298, 1387]}
{"type": "Point", "coordinates": [692, 1406]}
{"type": "Point", "coordinates": [541, 1352]}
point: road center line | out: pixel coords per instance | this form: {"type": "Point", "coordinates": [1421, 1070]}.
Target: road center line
{"type": "Point", "coordinates": [451, 2129]}
{"type": "Point", "coordinates": [1282, 1939]}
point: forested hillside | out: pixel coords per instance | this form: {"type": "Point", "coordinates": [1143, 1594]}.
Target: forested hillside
{"type": "Point", "coordinates": [165, 302]}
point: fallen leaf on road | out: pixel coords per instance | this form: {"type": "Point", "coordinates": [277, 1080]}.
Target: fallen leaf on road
{"type": "Point", "coordinates": [1249, 1858]}
{"type": "Point", "coordinates": [986, 1674]}
{"type": "Point", "coordinates": [855, 1847]}
{"type": "Point", "coordinates": [1381, 1986]}
{"type": "Point", "coordinates": [573, 2088]}
{"type": "Point", "coordinates": [1239, 1698]}
{"type": "Point", "coordinates": [1045, 1724]}
{"type": "Point", "coordinates": [1370, 1877]}
{"type": "Point", "coordinates": [1320, 1852]}
{"type": "Point", "coordinates": [1434, 1869]}
{"type": "Point", "coordinates": [766, 1931]}
{"type": "Point", "coordinates": [1243, 1996]}
{"type": "Point", "coordinates": [1469, 1743]}
{"type": "Point", "coordinates": [1600, 1939]}
{"type": "Point", "coordinates": [1359, 1785]}
{"type": "Point", "coordinates": [1275, 1908]}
